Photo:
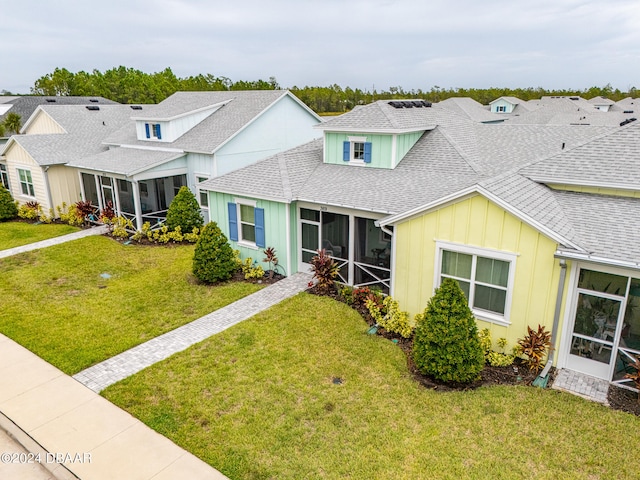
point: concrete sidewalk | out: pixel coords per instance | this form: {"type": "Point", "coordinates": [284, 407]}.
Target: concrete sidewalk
{"type": "Point", "coordinates": [79, 434]}
{"type": "Point", "coordinates": [125, 364]}
{"type": "Point", "coordinates": [54, 241]}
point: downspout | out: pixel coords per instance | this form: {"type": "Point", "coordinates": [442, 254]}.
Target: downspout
{"type": "Point", "coordinates": [46, 187]}
{"type": "Point", "coordinates": [556, 314]}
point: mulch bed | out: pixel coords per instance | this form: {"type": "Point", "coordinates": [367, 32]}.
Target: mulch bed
{"type": "Point", "coordinates": [516, 374]}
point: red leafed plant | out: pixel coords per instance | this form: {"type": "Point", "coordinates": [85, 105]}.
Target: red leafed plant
{"type": "Point", "coordinates": [325, 270]}
{"type": "Point", "coordinates": [84, 208]}
{"type": "Point", "coordinates": [535, 345]}
{"type": "Point", "coordinates": [107, 212]}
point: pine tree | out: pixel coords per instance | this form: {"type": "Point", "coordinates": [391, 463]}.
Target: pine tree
{"type": "Point", "coordinates": [184, 212]}
{"type": "Point", "coordinates": [213, 259]}
{"type": "Point", "coordinates": [446, 344]}
{"type": "Point", "coordinates": [8, 209]}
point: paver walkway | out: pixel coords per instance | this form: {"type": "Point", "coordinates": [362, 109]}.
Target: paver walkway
{"type": "Point", "coordinates": [53, 241]}
{"type": "Point", "coordinates": [591, 388]}
{"type": "Point", "coordinates": [146, 354]}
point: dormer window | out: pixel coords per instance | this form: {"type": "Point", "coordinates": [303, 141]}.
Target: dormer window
{"type": "Point", "coordinates": [501, 109]}
{"type": "Point", "coordinates": [153, 131]}
{"type": "Point", "coordinates": [357, 150]}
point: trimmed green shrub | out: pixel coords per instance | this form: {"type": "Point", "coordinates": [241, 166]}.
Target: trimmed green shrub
{"type": "Point", "coordinates": [213, 259]}
{"type": "Point", "coordinates": [446, 344]}
{"type": "Point", "coordinates": [184, 212]}
{"type": "Point", "coordinates": [8, 209]}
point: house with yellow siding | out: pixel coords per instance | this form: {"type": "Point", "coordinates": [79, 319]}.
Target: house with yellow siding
{"type": "Point", "coordinates": [537, 223]}
{"type": "Point", "coordinates": [34, 162]}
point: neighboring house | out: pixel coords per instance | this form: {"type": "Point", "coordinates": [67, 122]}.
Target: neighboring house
{"type": "Point", "coordinates": [185, 140]}
{"type": "Point", "coordinates": [25, 106]}
{"type": "Point", "coordinates": [603, 104]}
{"type": "Point", "coordinates": [34, 162]}
{"type": "Point", "coordinates": [506, 105]}
{"type": "Point", "coordinates": [538, 223]}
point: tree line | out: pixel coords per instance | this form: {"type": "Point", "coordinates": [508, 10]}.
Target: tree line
{"type": "Point", "coordinates": [128, 85]}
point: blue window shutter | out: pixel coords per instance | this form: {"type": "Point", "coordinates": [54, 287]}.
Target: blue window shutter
{"type": "Point", "coordinates": [367, 152]}
{"type": "Point", "coordinates": [158, 132]}
{"type": "Point", "coordinates": [146, 127]}
{"type": "Point", "coordinates": [259, 219]}
{"type": "Point", "coordinates": [233, 221]}
{"type": "Point", "coordinates": [346, 151]}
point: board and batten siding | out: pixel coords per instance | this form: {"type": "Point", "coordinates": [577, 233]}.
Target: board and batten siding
{"type": "Point", "coordinates": [18, 158]}
{"type": "Point", "coordinates": [404, 143]}
{"type": "Point", "coordinates": [284, 125]}
{"type": "Point", "coordinates": [478, 222]}
{"type": "Point", "coordinates": [381, 148]}
{"type": "Point", "coordinates": [275, 214]}
{"type": "Point", "coordinates": [42, 123]}
{"type": "Point", "coordinates": [64, 185]}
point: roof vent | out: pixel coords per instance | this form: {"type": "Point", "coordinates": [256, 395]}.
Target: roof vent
{"type": "Point", "coordinates": [93, 100]}
{"type": "Point", "coordinates": [628, 111]}
{"type": "Point", "coordinates": [396, 104]}
{"type": "Point", "coordinates": [135, 107]}
{"type": "Point", "coordinates": [51, 100]}
{"type": "Point", "coordinates": [574, 98]}
{"type": "Point", "coordinates": [93, 107]}
{"type": "Point", "coordinates": [628, 120]}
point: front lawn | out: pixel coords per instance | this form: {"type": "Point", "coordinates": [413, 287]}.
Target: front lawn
{"type": "Point", "coordinates": [300, 391]}
{"type": "Point", "coordinates": [16, 234]}
{"type": "Point", "coordinates": [56, 303]}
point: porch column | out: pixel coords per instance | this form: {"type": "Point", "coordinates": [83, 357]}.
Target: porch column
{"type": "Point", "coordinates": [99, 190]}
{"type": "Point", "coordinates": [136, 204]}
{"type": "Point", "coordinates": [116, 195]}
{"type": "Point", "coordinates": [352, 250]}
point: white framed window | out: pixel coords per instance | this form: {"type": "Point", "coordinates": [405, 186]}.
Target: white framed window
{"type": "Point", "coordinates": [485, 276]}
{"type": "Point", "coordinates": [246, 223]}
{"type": "Point", "coordinates": [4, 176]}
{"type": "Point", "coordinates": [356, 150]}
{"type": "Point", "coordinates": [501, 109]}
{"type": "Point", "coordinates": [203, 195]}
{"type": "Point", "coordinates": [247, 218]}
{"type": "Point", "coordinates": [26, 183]}
{"type": "Point", "coordinates": [152, 130]}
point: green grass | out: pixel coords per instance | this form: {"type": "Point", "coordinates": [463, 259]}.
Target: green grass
{"type": "Point", "coordinates": [16, 234]}
{"type": "Point", "coordinates": [257, 401]}
{"type": "Point", "coordinates": [56, 304]}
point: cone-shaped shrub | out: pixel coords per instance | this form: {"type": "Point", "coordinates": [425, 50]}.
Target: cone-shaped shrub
{"type": "Point", "coordinates": [184, 212]}
{"type": "Point", "coordinates": [8, 209]}
{"type": "Point", "coordinates": [213, 259]}
{"type": "Point", "coordinates": [446, 345]}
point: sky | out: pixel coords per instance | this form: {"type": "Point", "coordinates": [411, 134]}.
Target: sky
{"type": "Point", "coordinates": [413, 44]}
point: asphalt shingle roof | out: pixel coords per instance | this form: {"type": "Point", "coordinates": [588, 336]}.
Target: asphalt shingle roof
{"type": "Point", "coordinates": [88, 129]}
{"type": "Point", "coordinates": [608, 160]}
{"type": "Point", "coordinates": [212, 132]}
{"type": "Point", "coordinates": [26, 105]}
{"type": "Point", "coordinates": [125, 161]}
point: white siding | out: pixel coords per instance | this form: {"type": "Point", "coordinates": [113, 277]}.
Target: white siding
{"type": "Point", "coordinates": [285, 125]}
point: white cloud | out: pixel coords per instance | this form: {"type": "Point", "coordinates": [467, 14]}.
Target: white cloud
{"type": "Point", "coordinates": [357, 43]}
